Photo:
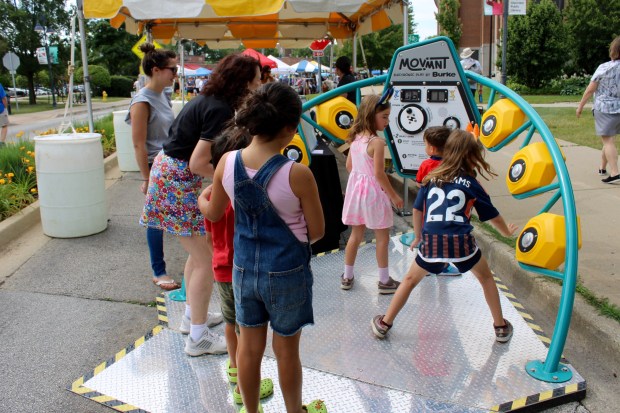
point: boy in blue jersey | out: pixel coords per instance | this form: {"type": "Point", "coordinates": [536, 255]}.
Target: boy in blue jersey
{"type": "Point", "coordinates": [441, 215]}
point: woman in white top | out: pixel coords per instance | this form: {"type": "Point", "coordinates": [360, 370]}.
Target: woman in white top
{"type": "Point", "coordinates": [605, 85]}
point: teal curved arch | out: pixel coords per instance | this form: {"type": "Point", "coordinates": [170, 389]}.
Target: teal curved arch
{"type": "Point", "coordinates": [550, 370]}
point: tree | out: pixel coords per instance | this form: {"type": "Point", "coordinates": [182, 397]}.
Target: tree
{"type": "Point", "coordinates": [19, 19]}
{"type": "Point", "coordinates": [111, 48]}
{"type": "Point", "coordinates": [592, 25]}
{"type": "Point", "coordinates": [537, 47]}
{"type": "Point", "coordinates": [448, 19]}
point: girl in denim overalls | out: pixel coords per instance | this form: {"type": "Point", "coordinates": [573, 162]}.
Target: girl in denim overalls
{"type": "Point", "coordinates": [278, 215]}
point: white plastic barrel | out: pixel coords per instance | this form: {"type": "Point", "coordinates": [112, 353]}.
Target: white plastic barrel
{"type": "Point", "coordinates": [71, 184]}
{"type": "Point", "coordinates": [124, 144]}
{"type": "Point", "coordinates": [177, 105]}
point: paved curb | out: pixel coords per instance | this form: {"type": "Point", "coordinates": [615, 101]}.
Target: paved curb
{"type": "Point", "coordinates": [13, 227]}
{"type": "Point", "coordinates": [542, 295]}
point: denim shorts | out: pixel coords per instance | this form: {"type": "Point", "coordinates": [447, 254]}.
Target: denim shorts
{"type": "Point", "coordinates": [283, 298]}
{"type": "Point", "coordinates": [437, 267]}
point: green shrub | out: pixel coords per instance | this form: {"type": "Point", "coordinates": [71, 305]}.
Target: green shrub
{"type": "Point", "coordinates": [573, 85]}
{"type": "Point", "coordinates": [99, 78]}
{"type": "Point", "coordinates": [120, 86]}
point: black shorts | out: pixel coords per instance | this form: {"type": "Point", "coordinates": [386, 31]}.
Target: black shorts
{"type": "Point", "coordinates": [437, 267]}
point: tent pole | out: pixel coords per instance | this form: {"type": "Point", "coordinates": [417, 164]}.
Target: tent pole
{"type": "Point", "coordinates": [89, 106]}
{"type": "Point", "coordinates": [355, 51]}
{"type": "Point", "coordinates": [182, 77]}
{"type": "Point", "coordinates": [405, 23]}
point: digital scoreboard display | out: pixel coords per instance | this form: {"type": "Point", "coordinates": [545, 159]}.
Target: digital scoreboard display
{"type": "Point", "coordinates": [411, 95]}
{"type": "Point", "coordinates": [437, 95]}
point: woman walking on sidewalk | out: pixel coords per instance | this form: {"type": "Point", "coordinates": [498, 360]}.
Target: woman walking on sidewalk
{"type": "Point", "coordinates": [150, 116]}
{"type": "Point", "coordinates": [605, 86]}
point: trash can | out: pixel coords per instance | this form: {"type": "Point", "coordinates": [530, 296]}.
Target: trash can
{"type": "Point", "coordinates": [177, 105]}
{"type": "Point", "coordinates": [71, 184]}
{"type": "Point", "coordinates": [124, 144]}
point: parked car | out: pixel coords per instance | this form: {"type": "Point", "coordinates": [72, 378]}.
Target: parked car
{"type": "Point", "coordinates": [16, 92]}
{"type": "Point", "coordinates": [42, 91]}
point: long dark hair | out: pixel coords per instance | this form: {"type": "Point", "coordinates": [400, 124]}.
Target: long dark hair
{"type": "Point", "coordinates": [268, 110]}
{"type": "Point", "coordinates": [462, 155]}
{"type": "Point", "coordinates": [230, 78]}
{"type": "Point", "coordinates": [155, 58]}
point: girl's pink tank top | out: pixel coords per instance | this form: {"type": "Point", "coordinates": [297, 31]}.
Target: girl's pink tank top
{"type": "Point", "coordinates": [280, 193]}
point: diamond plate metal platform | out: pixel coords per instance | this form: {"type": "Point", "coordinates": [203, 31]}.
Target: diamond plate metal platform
{"type": "Point", "coordinates": [441, 354]}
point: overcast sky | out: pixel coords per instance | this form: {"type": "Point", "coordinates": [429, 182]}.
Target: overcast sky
{"type": "Point", "coordinates": [424, 12]}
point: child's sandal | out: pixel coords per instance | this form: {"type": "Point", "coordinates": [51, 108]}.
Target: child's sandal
{"type": "Point", "coordinates": [230, 371]}
{"type": "Point", "coordinates": [266, 390]}
{"type": "Point", "coordinates": [315, 406]}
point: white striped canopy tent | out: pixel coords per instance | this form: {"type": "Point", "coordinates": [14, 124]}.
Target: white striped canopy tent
{"type": "Point", "coordinates": [255, 23]}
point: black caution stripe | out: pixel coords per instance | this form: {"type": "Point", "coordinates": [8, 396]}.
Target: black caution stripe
{"type": "Point", "coordinates": [162, 311]}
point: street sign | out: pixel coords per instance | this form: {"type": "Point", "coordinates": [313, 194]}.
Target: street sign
{"type": "Point", "coordinates": [414, 38]}
{"type": "Point", "coordinates": [318, 53]}
{"type": "Point", "coordinates": [319, 45]}
{"type": "Point", "coordinates": [136, 47]}
{"type": "Point", "coordinates": [41, 55]}
{"type": "Point", "coordinates": [10, 61]}
{"type": "Point", "coordinates": [517, 7]}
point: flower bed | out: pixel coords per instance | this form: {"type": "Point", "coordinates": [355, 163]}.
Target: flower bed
{"type": "Point", "coordinates": [18, 179]}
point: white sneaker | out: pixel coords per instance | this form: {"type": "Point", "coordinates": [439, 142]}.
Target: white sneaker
{"type": "Point", "coordinates": [209, 343]}
{"type": "Point", "coordinates": [213, 320]}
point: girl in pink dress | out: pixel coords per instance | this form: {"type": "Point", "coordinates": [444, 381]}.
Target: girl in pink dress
{"type": "Point", "coordinates": [369, 193]}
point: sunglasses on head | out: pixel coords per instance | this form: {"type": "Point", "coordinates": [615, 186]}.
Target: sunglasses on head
{"type": "Point", "coordinates": [385, 98]}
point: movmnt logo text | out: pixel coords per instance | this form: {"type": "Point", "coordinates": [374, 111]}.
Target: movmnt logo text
{"type": "Point", "coordinates": [417, 64]}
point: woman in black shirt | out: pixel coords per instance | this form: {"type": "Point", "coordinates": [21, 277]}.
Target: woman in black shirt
{"type": "Point", "coordinates": [175, 184]}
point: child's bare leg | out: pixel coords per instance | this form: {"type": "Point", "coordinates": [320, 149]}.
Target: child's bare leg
{"type": "Point", "coordinates": [231, 344]}
{"type": "Point", "coordinates": [383, 240]}
{"type": "Point", "coordinates": [286, 350]}
{"type": "Point", "coordinates": [484, 275]}
{"type": "Point", "coordinates": [411, 279]}
{"type": "Point", "coordinates": [252, 341]}
{"type": "Point", "coordinates": [350, 252]}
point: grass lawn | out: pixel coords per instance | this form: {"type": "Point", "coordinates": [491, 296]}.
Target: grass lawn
{"type": "Point", "coordinates": [533, 99]}
{"type": "Point", "coordinates": [564, 125]}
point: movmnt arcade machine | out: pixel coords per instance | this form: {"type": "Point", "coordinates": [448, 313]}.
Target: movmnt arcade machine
{"type": "Point", "coordinates": [430, 89]}
{"type": "Point", "coordinates": [443, 355]}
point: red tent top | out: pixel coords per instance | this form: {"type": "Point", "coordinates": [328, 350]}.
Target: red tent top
{"type": "Point", "coordinates": [264, 60]}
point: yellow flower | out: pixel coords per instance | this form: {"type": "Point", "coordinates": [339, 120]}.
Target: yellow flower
{"type": "Point", "coordinates": [10, 175]}
{"type": "Point", "coordinates": [2, 181]}
{"type": "Point", "coordinates": [21, 148]}
{"type": "Point", "coordinates": [19, 134]}
{"type": "Point", "coordinates": [27, 160]}
{"type": "Point", "coordinates": [30, 169]}
{"type": "Point", "coordinates": [33, 190]}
